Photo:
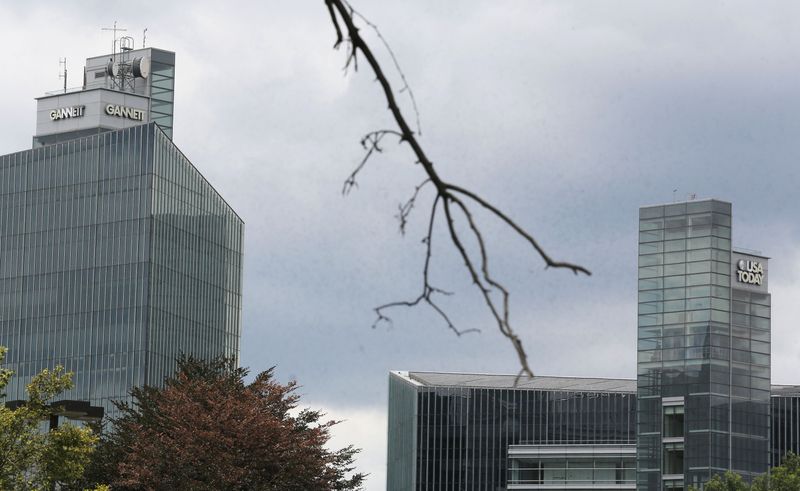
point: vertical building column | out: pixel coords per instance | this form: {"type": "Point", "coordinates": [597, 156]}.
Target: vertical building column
{"type": "Point", "coordinates": [683, 341]}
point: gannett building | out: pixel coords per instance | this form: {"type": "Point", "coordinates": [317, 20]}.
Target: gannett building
{"type": "Point", "coordinates": [116, 254]}
{"type": "Point", "coordinates": [702, 402]}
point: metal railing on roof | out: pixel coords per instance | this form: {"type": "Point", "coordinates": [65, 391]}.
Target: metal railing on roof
{"type": "Point", "coordinates": [64, 91]}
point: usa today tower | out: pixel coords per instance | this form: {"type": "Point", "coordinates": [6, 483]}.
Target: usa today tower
{"type": "Point", "coordinates": [702, 403]}
{"type": "Point", "coordinates": [703, 382]}
{"type": "Point", "coordinates": [116, 254]}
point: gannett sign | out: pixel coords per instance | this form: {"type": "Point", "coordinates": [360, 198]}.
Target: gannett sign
{"type": "Point", "coordinates": [125, 112]}
{"type": "Point", "coordinates": [751, 272]}
{"type": "Point", "coordinates": [66, 112]}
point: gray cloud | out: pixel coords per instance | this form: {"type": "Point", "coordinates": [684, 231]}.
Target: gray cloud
{"type": "Point", "coordinates": [569, 115]}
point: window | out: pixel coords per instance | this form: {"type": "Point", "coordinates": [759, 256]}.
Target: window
{"type": "Point", "coordinates": [673, 458]}
{"type": "Point", "coordinates": [673, 421]}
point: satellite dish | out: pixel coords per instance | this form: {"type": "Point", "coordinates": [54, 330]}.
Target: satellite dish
{"type": "Point", "coordinates": [141, 67]}
{"type": "Point", "coordinates": [110, 69]}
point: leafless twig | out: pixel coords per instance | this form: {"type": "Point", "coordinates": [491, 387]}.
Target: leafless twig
{"type": "Point", "coordinates": [405, 209]}
{"type": "Point", "coordinates": [428, 290]}
{"type": "Point", "coordinates": [371, 143]}
{"type": "Point", "coordinates": [406, 87]}
{"type": "Point", "coordinates": [449, 198]}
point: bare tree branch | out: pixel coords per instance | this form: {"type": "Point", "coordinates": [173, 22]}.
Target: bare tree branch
{"type": "Point", "coordinates": [550, 262]}
{"type": "Point", "coordinates": [371, 143]}
{"type": "Point", "coordinates": [427, 289]}
{"type": "Point", "coordinates": [502, 322]}
{"type": "Point", "coordinates": [404, 209]}
{"type": "Point", "coordinates": [339, 37]}
{"type": "Point", "coordinates": [447, 194]}
{"type": "Point", "coordinates": [406, 87]}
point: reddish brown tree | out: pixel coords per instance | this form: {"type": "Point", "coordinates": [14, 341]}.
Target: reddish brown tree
{"type": "Point", "coordinates": [209, 430]}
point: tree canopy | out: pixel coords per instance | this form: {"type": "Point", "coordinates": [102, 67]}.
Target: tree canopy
{"type": "Point", "coordinates": [29, 458]}
{"type": "Point", "coordinates": [730, 481]}
{"type": "Point", "coordinates": [785, 477]}
{"type": "Point", "coordinates": [207, 429]}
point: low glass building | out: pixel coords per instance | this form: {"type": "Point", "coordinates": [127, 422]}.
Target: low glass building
{"type": "Point", "coordinates": [479, 432]}
{"type": "Point", "coordinates": [785, 421]}
{"type": "Point", "coordinates": [460, 431]}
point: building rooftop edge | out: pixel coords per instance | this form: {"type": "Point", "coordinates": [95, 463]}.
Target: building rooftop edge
{"type": "Point", "coordinates": [511, 381]}
{"type": "Point", "coordinates": [61, 94]}
{"type": "Point", "coordinates": [134, 49]}
{"type": "Point", "coordinates": [484, 374]}
{"type": "Point", "coordinates": [541, 382]}
{"type": "Point", "coordinates": [749, 252]}
{"type": "Point", "coordinates": [685, 201]}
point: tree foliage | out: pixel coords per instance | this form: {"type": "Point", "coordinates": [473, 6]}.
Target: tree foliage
{"type": "Point", "coordinates": [785, 477]}
{"type": "Point", "coordinates": [35, 460]}
{"type": "Point", "coordinates": [209, 430]}
{"type": "Point", "coordinates": [730, 481]}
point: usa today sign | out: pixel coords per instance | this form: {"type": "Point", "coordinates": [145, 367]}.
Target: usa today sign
{"type": "Point", "coordinates": [750, 272]}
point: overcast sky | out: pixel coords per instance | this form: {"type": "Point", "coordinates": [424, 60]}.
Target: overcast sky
{"type": "Point", "coordinates": [569, 115]}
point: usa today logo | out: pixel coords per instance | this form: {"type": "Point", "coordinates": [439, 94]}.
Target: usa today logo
{"type": "Point", "coordinates": [751, 272]}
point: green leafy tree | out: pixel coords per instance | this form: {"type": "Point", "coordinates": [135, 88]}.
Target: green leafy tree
{"type": "Point", "coordinates": [29, 458]}
{"type": "Point", "coordinates": [730, 481]}
{"type": "Point", "coordinates": [207, 429]}
{"type": "Point", "coordinates": [785, 477]}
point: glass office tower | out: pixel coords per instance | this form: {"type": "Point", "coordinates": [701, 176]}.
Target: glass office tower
{"type": "Point", "coordinates": [116, 255]}
{"type": "Point", "coordinates": [703, 341]}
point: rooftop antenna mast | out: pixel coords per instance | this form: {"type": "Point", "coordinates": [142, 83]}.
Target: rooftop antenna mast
{"type": "Point", "coordinates": [144, 37]}
{"type": "Point", "coordinates": [122, 68]}
{"type": "Point", "coordinates": [63, 61]}
{"type": "Point", "coordinates": [114, 30]}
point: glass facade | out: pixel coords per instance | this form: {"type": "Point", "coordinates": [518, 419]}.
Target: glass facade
{"type": "Point", "coordinates": [162, 89]}
{"type": "Point", "coordinates": [453, 436]}
{"type": "Point", "coordinates": [463, 433]}
{"type": "Point", "coordinates": [702, 402]}
{"type": "Point", "coordinates": [575, 467]}
{"type": "Point", "coordinates": [700, 351]}
{"type": "Point", "coordinates": [401, 454]}
{"type": "Point", "coordinates": [115, 256]}
{"type": "Point", "coordinates": [785, 422]}
{"type": "Point", "coordinates": [750, 378]}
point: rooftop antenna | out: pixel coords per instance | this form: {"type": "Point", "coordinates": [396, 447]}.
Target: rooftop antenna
{"type": "Point", "coordinates": [144, 37]}
{"type": "Point", "coordinates": [691, 197]}
{"type": "Point", "coordinates": [63, 61]}
{"type": "Point", "coordinates": [114, 29]}
{"type": "Point", "coordinates": [674, 194]}
{"type": "Point", "coordinates": [121, 69]}
{"type": "Point", "coordinates": [124, 67]}
{"type": "Point", "coordinates": [125, 44]}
